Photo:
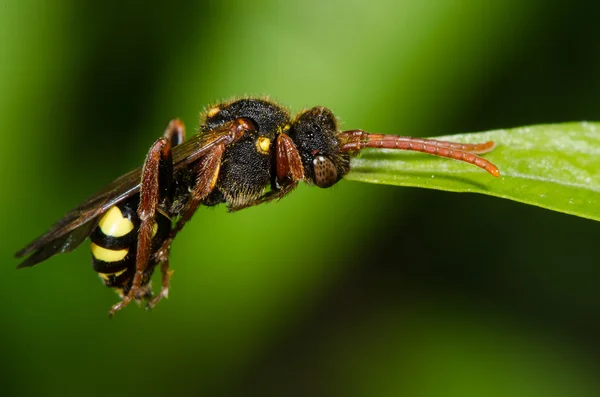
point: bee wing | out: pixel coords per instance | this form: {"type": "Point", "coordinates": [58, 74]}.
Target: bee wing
{"type": "Point", "coordinates": [69, 232]}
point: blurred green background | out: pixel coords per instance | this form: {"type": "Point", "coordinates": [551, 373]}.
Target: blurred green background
{"type": "Point", "coordinates": [359, 290]}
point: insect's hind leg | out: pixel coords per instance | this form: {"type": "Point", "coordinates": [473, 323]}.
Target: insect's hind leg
{"type": "Point", "coordinates": [155, 188]}
{"type": "Point", "coordinates": [175, 132]}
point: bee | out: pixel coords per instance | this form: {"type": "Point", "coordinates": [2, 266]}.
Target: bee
{"type": "Point", "coordinates": [247, 152]}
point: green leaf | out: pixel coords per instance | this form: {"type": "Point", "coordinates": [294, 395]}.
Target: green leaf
{"type": "Point", "coordinates": [554, 166]}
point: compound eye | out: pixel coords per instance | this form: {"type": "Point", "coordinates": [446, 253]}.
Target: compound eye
{"type": "Point", "coordinates": [325, 171]}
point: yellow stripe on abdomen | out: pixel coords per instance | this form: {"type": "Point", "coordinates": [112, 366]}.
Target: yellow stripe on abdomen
{"type": "Point", "coordinates": [108, 255]}
{"type": "Point", "coordinates": [114, 224]}
{"type": "Point", "coordinates": [106, 276]}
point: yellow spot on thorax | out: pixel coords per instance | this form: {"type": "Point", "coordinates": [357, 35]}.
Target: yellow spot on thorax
{"type": "Point", "coordinates": [263, 144]}
{"type": "Point", "coordinates": [107, 255]}
{"type": "Point", "coordinates": [114, 224]}
{"type": "Point", "coordinates": [213, 111]}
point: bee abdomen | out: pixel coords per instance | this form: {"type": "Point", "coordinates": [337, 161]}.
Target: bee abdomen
{"type": "Point", "coordinates": [114, 244]}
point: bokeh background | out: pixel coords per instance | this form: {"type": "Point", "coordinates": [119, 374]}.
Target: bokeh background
{"type": "Point", "coordinates": [359, 290]}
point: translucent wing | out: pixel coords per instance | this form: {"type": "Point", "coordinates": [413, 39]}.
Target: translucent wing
{"type": "Point", "coordinates": [69, 232]}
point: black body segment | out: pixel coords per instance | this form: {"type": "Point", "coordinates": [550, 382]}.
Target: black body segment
{"type": "Point", "coordinates": [246, 165]}
{"type": "Point", "coordinates": [266, 114]}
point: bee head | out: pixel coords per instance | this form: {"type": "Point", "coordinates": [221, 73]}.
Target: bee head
{"type": "Point", "coordinates": [314, 132]}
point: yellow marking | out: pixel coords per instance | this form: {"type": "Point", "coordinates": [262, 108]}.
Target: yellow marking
{"type": "Point", "coordinates": [285, 128]}
{"type": "Point", "coordinates": [263, 144]}
{"type": "Point", "coordinates": [114, 224]}
{"type": "Point", "coordinates": [107, 255]}
{"type": "Point", "coordinates": [106, 276]}
{"type": "Point", "coordinates": [213, 111]}
{"type": "Point", "coordinates": [154, 229]}
{"type": "Point", "coordinates": [215, 176]}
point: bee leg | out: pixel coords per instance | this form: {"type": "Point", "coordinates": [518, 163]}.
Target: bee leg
{"type": "Point", "coordinates": [207, 174]}
{"type": "Point", "coordinates": [288, 164]}
{"type": "Point", "coordinates": [175, 132]}
{"type": "Point", "coordinates": [156, 167]}
{"type": "Point", "coordinates": [163, 258]}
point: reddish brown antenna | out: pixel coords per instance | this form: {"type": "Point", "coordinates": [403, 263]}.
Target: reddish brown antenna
{"type": "Point", "coordinates": [356, 140]}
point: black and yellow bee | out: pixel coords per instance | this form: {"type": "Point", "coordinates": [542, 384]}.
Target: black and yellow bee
{"type": "Point", "coordinates": [247, 152]}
